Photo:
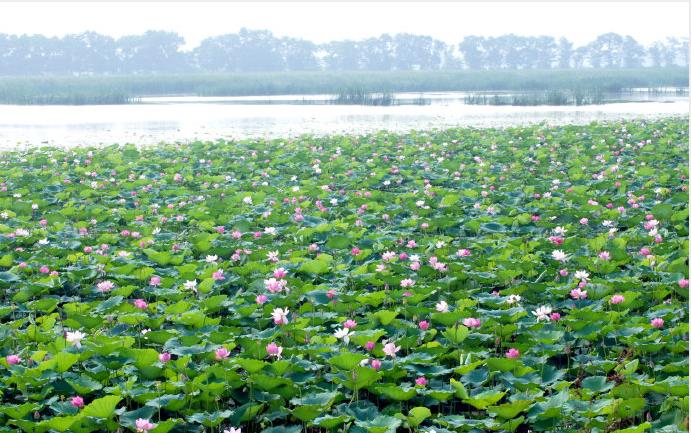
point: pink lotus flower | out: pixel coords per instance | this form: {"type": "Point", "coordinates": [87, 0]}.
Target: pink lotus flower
{"type": "Point", "coordinates": [388, 256]}
{"type": "Point", "coordinates": [616, 299]}
{"type": "Point", "coordinates": [583, 221]}
{"type": "Point", "coordinates": [513, 353]}
{"type": "Point", "coordinates": [280, 316]}
{"type": "Point", "coordinates": [369, 346]}
{"type": "Point", "coordinates": [218, 275]}
{"type": "Point", "coordinates": [144, 425]}
{"type": "Point", "coordinates": [274, 286]}
{"type": "Point", "coordinates": [424, 325]}
{"type": "Point", "coordinates": [221, 354]}
{"type": "Point", "coordinates": [556, 240]}
{"type": "Point", "coordinates": [421, 381]}
{"type": "Point", "coordinates": [280, 273]}
{"type": "Point", "coordinates": [415, 266]}
{"type": "Point", "coordinates": [563, 272]}
{"type": "Point", "coordinates": [44, 269]}
{"type": "Point", "coordinates": [261, 299]}
{"type": "Point", "coordinates": [391, 349]}
{"type": "Point", "coordinates": [555, 317]}
{"type": "Point", "coordinates": [164, 357]}
{"type": "Point", "coordinates": [350, 324]}
{"type": "Point", "coordinates": [657, 323]}
{"type": "Point", "coordinates": [604, 255]}
{"type": "Point", "coordinates": [331, 293]}
{"type": "Point", "coordinates": [155, 281]}
{"type": "Point", "coordinates": [645, 251]}
{"type": "Point", "coordinates": [472, 322]}
{"type": "Point", "coordinates": [77, 402]}
{"type": "Point", "coordinates": [141, 304]}
{"type": "Point", "coordinates": [407, 283]}
{"type": "Point", "coordinates": [683, 283]}
{"type": "Point", "coordinates": [579, 294]}
{"type": "Point", "coordinates": [355, 251]}
{"type": "Point", "coordinates": [105, 286]}
{"type": "Point", "coordinates": [463, 252]}
{"type": "Point", "coordinates": [13, 359]}
{"type": "Point", "coordinates": [272, 349]}
{"type": "Point", "coordinates": [376, 364]}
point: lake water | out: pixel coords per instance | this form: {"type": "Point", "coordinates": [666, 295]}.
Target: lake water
{"type": "Point", "coordinates": [188, 118]}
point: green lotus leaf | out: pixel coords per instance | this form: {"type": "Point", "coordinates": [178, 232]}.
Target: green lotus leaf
{"type": "Point", "coordinates": [380, 424]}
{"type": "Point", "coordinates": [417, 415]}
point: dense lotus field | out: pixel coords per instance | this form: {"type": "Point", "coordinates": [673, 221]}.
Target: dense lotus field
{"type": "Point", "coordinates": [469, 280]}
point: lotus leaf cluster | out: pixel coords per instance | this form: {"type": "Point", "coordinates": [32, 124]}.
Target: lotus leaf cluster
{"type": "Point", "coordinates": [527, 279]}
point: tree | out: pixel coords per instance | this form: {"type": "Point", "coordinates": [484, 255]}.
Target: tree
{"type": "Point", "coordinates": [633, 53]}
{"type": "Point", "coordinates": [154, 51]}
{"type": "Point", "coordinates": [472, 51]}
{"type": "Point", "coordinates": [417, 52]}
{"type": "Point", "coordinates": [565, 51]}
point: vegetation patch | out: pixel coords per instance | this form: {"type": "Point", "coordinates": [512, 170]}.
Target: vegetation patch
{"type": "Point", "coordinates": [467, 280]}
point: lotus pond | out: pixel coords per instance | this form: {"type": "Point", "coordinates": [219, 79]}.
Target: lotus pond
{"type": "Point", "coordinates": [520, 279]}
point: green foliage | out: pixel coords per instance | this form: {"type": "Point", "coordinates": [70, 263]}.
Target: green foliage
{"type": "Point", "coordinates": [601, 367]}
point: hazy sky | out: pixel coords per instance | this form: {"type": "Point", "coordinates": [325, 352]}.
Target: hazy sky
{"type": "Point", "coordinates": [321, 22]}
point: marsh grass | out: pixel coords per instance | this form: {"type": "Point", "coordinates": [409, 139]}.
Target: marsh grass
{"type": "Point", "coordinates": [577, 96]}
{"type": "Point", "coordinates": [127, 89]}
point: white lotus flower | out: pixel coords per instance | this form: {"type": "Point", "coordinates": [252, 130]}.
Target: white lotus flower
{"type": "Point", "coordinates": [191, 285]}
{"type": "Point", "coordinates": [343, 334]}
{"type": "Point", "coordinates": [75, 338]}
{"type": "Point", "coordinates": [542, 313]}
{"type": "Point", "coordinates": [581, 275]}
{"type": "Point", "coordinates": [559, 255]}
{"type": "Point", "coordinates": [211, 259]}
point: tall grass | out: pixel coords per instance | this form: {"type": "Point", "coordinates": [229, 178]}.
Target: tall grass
{"type": "Point", "coordinates": [577, 96]}
{"type": "Point", "coordinates": [126, 89]}
{"type": "Point", "coordinates": [362, 97]}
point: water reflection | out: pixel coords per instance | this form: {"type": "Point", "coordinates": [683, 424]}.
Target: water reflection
{"type": "Point", "coordinates": [189, 118]}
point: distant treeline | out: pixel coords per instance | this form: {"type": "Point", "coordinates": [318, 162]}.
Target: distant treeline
{"type": "Point", "coordinates": [161, 52]}
{"type": "Point", "coordinates": [352, 85]}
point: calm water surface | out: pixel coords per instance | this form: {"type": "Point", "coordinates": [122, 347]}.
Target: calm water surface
{"type": "Point", "coordinates": [187, 119]}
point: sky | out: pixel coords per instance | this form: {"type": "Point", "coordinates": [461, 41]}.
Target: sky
{"type": "Point", "coordinates": [580, 22]}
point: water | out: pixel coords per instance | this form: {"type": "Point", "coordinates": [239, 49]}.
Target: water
{"type": "Point", "coordinates": [187, 119]}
